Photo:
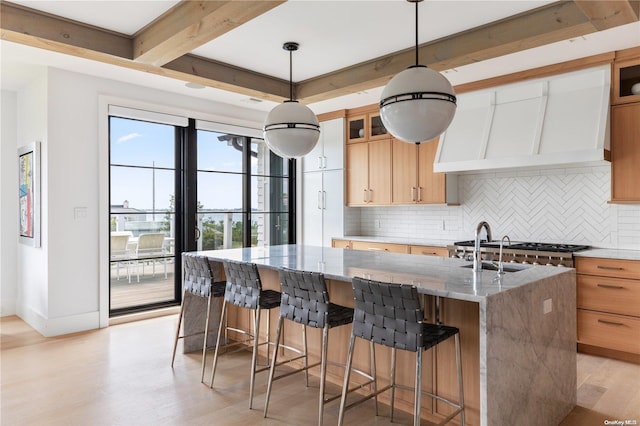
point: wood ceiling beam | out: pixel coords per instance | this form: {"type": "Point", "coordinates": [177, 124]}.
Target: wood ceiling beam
{"type": "Point", "coordinates": [190, 24]}
{"type": "Point", "coordinates": [608, 14]}
{"type": "Point", "coordinates": [548, 24]}
{"type": "Point", "coordinates": [33, 28]}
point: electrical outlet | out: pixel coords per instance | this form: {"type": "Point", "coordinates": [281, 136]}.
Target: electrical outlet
{"type": "Point", "coordinates": [443, 225]}
{"type": "Point", "coordinates": [377, 223]}
{"type": "Point", "coordinates": [547, 306]}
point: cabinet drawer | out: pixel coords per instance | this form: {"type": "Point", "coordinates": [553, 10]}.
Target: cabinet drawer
{"type": "Point", "coordinates": [616, 268]}
{"type": "Point", "coordinates": [610, 331]}
{"type": "Point", "coordinates": [346, 244]}
{"type": "Point", "coordinates": [393, 248]}
{"type": "Point", "coordinates": [605, 294]}
{"type": "Point", "coordinates": [429, 251]}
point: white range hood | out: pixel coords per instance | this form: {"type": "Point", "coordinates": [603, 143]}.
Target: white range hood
{"type": "Point", "coordinates": [552, 121]}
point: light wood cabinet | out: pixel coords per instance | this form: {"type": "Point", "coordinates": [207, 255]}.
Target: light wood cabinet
{"type": "Point", "coordinates": [369, 173]}
{"type": "Point", "coordinates": [626, 73]}
{"type": "Point", "coordinates": [337, 243]}
{"type": "Point", "coordinates": [413, 180]}
{"type": "Point", "coordinates": [608, 296]}
{"type": "Point", "coordinates": [429, 251]}
{"type": "Point", "coordinates": [364, 124]}
{"type": "Point", "coordinates": [625, 153]}
{"type": "Point", "coordinates": [374, 246]}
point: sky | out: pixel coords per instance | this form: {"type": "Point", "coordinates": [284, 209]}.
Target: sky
{"type": "Point", "coordinates": [140, 143]}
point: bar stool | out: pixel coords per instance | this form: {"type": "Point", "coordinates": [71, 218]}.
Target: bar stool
{"type": "Point", "coordinates": [390, 314]}
{"type": "Point", "coordinates": [305, 300]}
{"type": "Point", "coordinates": [244, 290]}
{"type": "Point", "coordinates": [198, 279]}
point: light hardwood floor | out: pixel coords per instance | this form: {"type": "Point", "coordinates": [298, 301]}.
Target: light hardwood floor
{"type": "Point", "coordinates": [121, 375]}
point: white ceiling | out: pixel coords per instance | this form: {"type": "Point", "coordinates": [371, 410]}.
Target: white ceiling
{"type": "Point", "coordinates": [332, 35]}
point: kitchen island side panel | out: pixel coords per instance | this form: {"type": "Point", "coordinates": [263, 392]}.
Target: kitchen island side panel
{"type": "Point", "coordinates": [530, 353]}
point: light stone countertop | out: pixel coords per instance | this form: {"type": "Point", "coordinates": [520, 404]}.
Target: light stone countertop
{"type": "Point", "coordinates": [438, 276]}
{"type": "Point", "coordinates": [610, 254]}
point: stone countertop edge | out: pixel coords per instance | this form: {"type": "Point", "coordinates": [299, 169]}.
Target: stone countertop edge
{"type": "Point", "coordinates": [604, 253]}
{"type": "Point", "coordinates": [438, 276]}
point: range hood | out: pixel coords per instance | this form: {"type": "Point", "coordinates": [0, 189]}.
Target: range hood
{"type": "Point", "coordinates": [552, 121]}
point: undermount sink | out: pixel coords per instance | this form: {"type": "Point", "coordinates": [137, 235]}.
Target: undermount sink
{"type": "Point", "coordinates": [490, 266]}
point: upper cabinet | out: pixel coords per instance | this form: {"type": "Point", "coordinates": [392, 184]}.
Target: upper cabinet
{"type": "Point", "coordinates": [364, 124]}
{"type": "Point", "coordinates": [547, 121]}
{"type": "Point", "coordinates": [329, 152]}
{"type": "Point", "coordinates": [626, 77]}
{"type": "Point", "coordinates": [625, 128]}
{"type": "Point", "coordinates": [369, 173]}
{"type": "Point", "coordinates": [413, 179]}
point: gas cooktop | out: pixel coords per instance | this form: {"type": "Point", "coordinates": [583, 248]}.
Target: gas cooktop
{"type": "Point", "coordinates": [553, 247]}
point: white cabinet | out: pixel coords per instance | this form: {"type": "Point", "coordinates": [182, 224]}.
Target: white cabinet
{"type": "Point", "coordinates": [329, 152]}
{"type": "Point", "coordinates": [322, 189]}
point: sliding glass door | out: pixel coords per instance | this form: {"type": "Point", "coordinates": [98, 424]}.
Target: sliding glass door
{"type": "Point", "coordinates": [183, 187]}
{"type": "Point", "coordinates": [142, 214]}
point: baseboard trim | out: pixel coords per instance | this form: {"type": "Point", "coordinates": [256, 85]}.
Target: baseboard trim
{"type": "Point", "coordinates": [50, 327]}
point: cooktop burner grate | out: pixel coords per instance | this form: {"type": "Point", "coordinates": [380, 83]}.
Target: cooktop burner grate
{"type": "Point", "coordinates": [552, 247]}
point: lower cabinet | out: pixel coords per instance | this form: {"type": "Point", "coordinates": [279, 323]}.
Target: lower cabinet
{"type": "Point", "coordinates": [608, 301]}
{"type": "Point", "coordinates": [390, 247]}
{"type": "Point", "coordinates": [373, 246]}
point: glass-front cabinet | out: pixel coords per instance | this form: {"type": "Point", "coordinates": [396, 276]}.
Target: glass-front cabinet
{"type": "Point", "coordinates": [365, 127]}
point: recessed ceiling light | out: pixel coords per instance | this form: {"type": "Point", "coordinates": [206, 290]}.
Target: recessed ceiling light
{"type": "Point", "coordinates": [192, 85]}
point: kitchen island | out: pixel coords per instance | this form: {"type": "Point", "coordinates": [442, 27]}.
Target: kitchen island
{"type": "Point", "coordinates": [518, 330]}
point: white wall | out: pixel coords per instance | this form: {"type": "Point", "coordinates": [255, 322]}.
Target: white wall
{"type": "Point", "coordinates": [8, 200]}
{"type": "Point", "coordinates": [58, 285]}
{"type": "Point", "coordinates": [565, 205]}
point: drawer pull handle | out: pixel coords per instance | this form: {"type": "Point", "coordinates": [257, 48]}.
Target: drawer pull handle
{"type": "Point", "coordinates": [611, 268]}
{"type": "Point", "coordinates": [615, 287]}
{"type": "Point", "coordinates": [609, 322]}
{"type": "Point", "coordinates": [377, 249]}
{"type": "Point", "coordinates": [429, 253]}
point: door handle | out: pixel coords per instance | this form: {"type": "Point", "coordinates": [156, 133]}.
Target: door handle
{"type": "Point", "coordinates": [324, 200]}
{"type": "Point", "coordinates": [319, 200]}
{"type": "Point", "coordinates": [413, 193]}
{"type": "Point", "coordinates": [419, 193]}
{"type": "Point", "coordinates": [198, 233]}
{"type": "Point", "coordinates": [319, 162]}
{"type": "Point", "coordinates": [365, 195]}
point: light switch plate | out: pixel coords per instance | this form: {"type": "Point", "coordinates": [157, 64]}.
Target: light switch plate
{"type": "Point", "coordinates": [547, 306]}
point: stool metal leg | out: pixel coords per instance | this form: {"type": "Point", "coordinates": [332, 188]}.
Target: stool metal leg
{"type": "Point", "coordinates": [215, 354]}
{"type": "Point", "coordinates": [372, 370]}
{"type": "Point", "coordinates": [392, 379]}
{"type": "Point", "coordinates": [175, 343]}
{"type": "Point", "coordinates": [306, 356]}
{"type": "Point", "coordinates": [345, 386]}
{"type": "Point", "coordinates": [206, 338]}
{"type": "Point", "coordinates": [459, 366]}
{"type": "Point", "coordinates": [254, 357]}
{"type": "Point", "coordinates": [273, 365]}
{"type": "Point", "coordinates": [418, 390]}
{"type": "Point", "coordinates": [323, 371]}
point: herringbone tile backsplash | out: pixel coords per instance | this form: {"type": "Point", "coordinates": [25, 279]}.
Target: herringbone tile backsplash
{"type": "Point", "coordinates": [568, 205]}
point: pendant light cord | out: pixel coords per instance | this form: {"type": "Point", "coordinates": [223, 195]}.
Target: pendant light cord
{"type": "Point", "coordinates": [417, 63]}
{"type": "Point", "coordinates": [291, 75]}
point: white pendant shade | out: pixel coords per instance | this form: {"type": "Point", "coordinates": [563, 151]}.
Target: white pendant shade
{"type": "Point", "coordinates": [291, 130]}
{"type": "Point", "coordinates": [417, 104]}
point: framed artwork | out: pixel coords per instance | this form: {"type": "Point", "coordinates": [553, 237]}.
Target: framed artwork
{"type": "Point", "coordinates": [29, 194]}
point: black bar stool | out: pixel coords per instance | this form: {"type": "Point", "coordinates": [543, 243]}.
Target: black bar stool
{"type": "Point", "coordinates": [390, 314]}
{"type": "Point", "coordinates": [198, 279]}
{"type": "Point", "coordinates": [244, 290]}
{"type": "Point", "coordinates": [305, 300]}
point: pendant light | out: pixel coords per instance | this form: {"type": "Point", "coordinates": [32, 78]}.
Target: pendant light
{"type": "Point", "coordinates": [419, 103]}
{"type": "Point", "coordinates": [291, 129]}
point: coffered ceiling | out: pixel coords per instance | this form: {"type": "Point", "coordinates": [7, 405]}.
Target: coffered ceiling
{"type": "Point", "coordinates": [348, 49]}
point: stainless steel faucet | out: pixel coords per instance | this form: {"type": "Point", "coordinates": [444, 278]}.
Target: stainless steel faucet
{"type": "Point", "coordinates": [500, 264]}
{"type": "Point", "coordinates": [477, 256]}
